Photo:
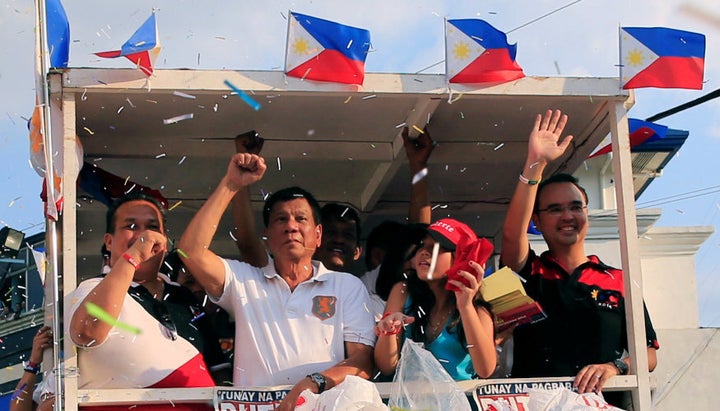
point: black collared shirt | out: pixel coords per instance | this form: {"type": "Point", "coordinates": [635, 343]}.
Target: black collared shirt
{"type": "Point", "coordinates": [586, 318]}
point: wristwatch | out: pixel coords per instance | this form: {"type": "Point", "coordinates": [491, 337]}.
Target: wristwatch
{"type": "Point", "coordinates": [621, 366]}
{"type": "Point", "coordinates": [318, 379]}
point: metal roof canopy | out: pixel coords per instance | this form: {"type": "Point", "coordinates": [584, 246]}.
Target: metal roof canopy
{"type": "Point", "coordinates": [340, 142]}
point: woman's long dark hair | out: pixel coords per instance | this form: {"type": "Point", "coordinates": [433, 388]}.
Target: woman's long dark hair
{"type": "Point", "coordinates": [392, 267]}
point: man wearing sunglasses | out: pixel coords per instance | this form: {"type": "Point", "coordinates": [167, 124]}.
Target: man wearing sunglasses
{"type": "Point", "coordinates": [132, 328]}
{"type": "Point", "coordinates": [585, 332]}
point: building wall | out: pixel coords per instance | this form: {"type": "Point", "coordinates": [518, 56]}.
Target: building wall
{"type": "Point", "coordinates": [669, 283]}
{"type": "Point", "coordinates": [687, 374]}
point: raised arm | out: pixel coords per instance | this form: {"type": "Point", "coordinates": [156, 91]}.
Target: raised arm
{"type": "Point", "coordinates": [251, 248]}
{"type": "Point", "coordinates": [544, 146]}
{"type": "Point", "coordinates": [194, 246]}
{"type": "Point", "coordinates": [144, 256]}
{"type": "Point", "coordinates": [477, 322]}
{"type": "Point", "coordinates": [22, 398]}
{"type": "Point", "coordinates": [418, 151]}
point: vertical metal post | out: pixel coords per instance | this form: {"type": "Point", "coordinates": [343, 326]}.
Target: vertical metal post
{"type": "Point", "coordinates": [50, 225]}
{"type": "Point", "coordinates": [629, 254]}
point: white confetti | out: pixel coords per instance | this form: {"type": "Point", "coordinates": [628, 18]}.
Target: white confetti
{"type": "Point", "coordinates": [279, 165]}
{"type": "Point", "coordinates": [176, 119]}
{"type": "Point", "coordinates": [433, 262]}
{"type": "Point", "coordinates": [182, 160]}
{"type": "Point", "coordinates": [419, 175]}
{"type": "Point", "coordinates": [183, 95]}
{"type": "Point", "coordinates": [499, 146]}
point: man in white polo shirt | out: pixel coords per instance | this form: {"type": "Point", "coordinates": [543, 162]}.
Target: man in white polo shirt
{"type": "Point", "coordinates": [296, 322]}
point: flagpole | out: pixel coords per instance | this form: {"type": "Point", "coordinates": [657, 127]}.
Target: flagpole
{"type": "Point", "coordinates": [51, 236]}
{"type": "Point", "coordinates": [447, 75]}
{"type": "Point", "coordinates": [287, 44]}
{"type": "Point", "coordinates": [620, 61]}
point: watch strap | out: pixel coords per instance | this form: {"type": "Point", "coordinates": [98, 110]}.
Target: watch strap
{"type": "Point", "coordinates": [621, 366]}
{"type": "Point", "coordinates": [318, 379]}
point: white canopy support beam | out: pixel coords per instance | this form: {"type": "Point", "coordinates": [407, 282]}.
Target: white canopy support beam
{"type": "Point", "coordinates": [69, 241]}
{"type": "Point", "coordinates": [630, 255]}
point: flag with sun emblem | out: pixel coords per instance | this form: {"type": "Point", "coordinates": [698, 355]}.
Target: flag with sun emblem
{"type": "Point", "coordinates": [661, 57]}
{"type": "Point", "coordinates": [323, 50]}
{"type": "Point", "coordinates": [476, 52]}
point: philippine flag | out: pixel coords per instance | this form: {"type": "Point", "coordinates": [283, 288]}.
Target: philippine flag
{"type": "Point", "coordinates": [661, 57]}
{"type": "Point", "coordinates": [640, 132]}
{"type": "Point", "coordinates": [476, 52]}
{"type": "Point", "coordinates": [142, 48]}
{"type": "Point", "coordinates": [323, 50]}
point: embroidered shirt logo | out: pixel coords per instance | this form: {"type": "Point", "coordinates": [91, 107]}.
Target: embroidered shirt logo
{"type": "Point", "coordinates": [606, 298]}
{"type": "Point", "coordinates": [324, 306]}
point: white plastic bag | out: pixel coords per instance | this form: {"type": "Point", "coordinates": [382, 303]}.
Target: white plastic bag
{"type": "Point", "coordinates": [421, 383]}
{"type": "Point", "coordinates": [562, 399]}
{"type": "Point", "coordinates": [353, 394]}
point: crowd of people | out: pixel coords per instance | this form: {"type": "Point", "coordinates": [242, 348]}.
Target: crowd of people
{"type": "Point", "coordinates": [289, 311]}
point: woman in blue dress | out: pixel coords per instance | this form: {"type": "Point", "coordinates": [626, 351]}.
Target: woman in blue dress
{"type": "Point", "coordinates": [448, 316]}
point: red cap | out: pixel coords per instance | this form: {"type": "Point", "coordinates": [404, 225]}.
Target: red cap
{"type": "Point", "coordinates": [461, 239]}
{"type": "Point", "coordinates": [451, 233]}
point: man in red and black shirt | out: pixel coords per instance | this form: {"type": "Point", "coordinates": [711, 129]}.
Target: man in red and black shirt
{"type": "Point", "coordinates": [585, 332]}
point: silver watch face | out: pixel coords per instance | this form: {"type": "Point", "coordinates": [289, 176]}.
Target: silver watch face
{"type": "Point", "coordinates": [622, 366]}
{"type": "Point", "coordinates": [318, 379]}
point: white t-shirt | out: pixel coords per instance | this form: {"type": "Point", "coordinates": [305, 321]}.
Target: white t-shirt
{"type": "Point", "coordinates": [282, 336]}
{"type": "Point", "coordinates": [128, 360]}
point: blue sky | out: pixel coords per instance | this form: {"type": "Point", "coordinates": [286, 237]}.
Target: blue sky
{"type": "Point", "coordinates": [578, 40]}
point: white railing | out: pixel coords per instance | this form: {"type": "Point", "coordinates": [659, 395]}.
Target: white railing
{"type": "Point", "coordinates": [511, 387]}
